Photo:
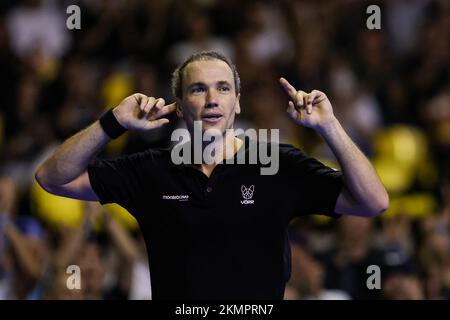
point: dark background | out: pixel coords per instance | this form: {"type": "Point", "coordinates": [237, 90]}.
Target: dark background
{"type": "Point", "coordinates": [389, 88]}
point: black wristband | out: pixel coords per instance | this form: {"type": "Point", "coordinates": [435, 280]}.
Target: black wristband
{"type": "Point", "coordinates": [110, 125]}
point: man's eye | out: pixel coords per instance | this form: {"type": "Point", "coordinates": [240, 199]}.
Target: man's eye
{"type": "Point", "coordinates": [224, 88]}
{"type": "Point", "coordinates": [197, 90]}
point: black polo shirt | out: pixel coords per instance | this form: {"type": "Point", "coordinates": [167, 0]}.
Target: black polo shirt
{"type": "Point", "coordinates": [223, 237]}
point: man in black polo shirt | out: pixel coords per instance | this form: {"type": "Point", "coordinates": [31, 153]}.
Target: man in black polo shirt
{"type": "Point", "coordinates": [218, 230]}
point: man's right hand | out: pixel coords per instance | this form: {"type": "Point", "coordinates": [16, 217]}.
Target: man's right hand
{"type": "Point", "coordinates": [141, 113]}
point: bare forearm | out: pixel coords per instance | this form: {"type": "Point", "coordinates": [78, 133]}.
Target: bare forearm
{"type": "Point", "coordinates": [122, 239]}
{"type": "Point", "coordinates": [71, 244]}
{"type": "Point", "coordinates": [71, 158]}
{"type": "Point", "coordinates": [25, 258]}
{"type": "Point", "coordinates": [360, 177]}
{"type": "Point", "coordinates": [363, 193]}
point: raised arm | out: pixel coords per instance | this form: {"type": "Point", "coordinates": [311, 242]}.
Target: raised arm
{"type": "Point", "coordinates": [64, 173]}
{"type": "Point", "coordinates": [363, 193]}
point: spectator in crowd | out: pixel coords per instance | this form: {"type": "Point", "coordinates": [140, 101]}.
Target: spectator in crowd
{"type": "Point", "coordinates": [308, 275]}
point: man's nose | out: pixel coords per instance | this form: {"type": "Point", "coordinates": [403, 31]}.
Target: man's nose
{"type": "Point", "coordinates": [211, 99]}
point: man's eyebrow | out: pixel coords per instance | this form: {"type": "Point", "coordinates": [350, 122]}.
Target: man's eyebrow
{"type": "Point", "coordinates": [220, 83]}
{"type": "Point", "coordinates": [223, 82]}
{"type": "Point", "coordinates": [197, 84]}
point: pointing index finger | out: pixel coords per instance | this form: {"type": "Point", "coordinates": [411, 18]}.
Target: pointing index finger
{"type": "Point", "coordinates": [290, 90]}
{"type": "Point", "coordinates": [164, 110]}
{"type": "Point", "coordinates": [171, 107]}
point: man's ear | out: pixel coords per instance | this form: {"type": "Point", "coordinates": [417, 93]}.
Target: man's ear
{"type": "Point", "coordinates": [179, 108]}
{"type": "Point", "coordinates": [238, 104]}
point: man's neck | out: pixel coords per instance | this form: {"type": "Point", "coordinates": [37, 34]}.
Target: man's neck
{"type": "Point", "coordinates": [227, 148]}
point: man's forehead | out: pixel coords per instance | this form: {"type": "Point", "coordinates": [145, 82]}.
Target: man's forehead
{"type": "Point", "coordinates": [208, 71]}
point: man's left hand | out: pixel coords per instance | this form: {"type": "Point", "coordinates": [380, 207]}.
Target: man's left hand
{"type": "Point", "coordinates": [312, 110]}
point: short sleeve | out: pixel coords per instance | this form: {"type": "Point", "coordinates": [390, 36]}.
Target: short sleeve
{"type": "Point", "coordinates": [119, 180]}
{"type": "Point", "coordinates": [314, 185]}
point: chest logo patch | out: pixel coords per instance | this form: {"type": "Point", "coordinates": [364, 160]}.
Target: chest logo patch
{"type": "Point", "coordinates": [247, 194]}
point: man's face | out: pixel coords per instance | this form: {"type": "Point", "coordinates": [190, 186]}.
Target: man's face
{"type": "Point", "coordinates": [209, 95]}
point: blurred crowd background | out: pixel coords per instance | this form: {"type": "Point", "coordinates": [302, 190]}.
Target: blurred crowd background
{"type": "Point", "coordinates": [389, 88]}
